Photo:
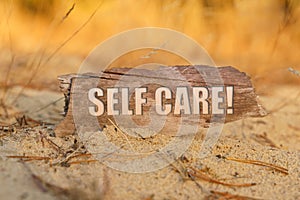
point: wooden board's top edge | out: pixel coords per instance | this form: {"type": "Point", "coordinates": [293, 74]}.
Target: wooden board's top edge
{"type": "Point", "coordinates": [66, 77]}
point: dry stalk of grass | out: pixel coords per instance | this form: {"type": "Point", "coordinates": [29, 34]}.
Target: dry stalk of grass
{"type": "Point", "coordinates": [288, 19]}
{"type": "Point", "coordinates": [200, 175]}
{"type": "Point", "coordinates": [260, 163]}
{"type": "Point", "coordinates": [41, 61]}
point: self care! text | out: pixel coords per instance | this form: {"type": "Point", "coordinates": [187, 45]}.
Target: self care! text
{"type": "Point", "coordinates": [216, 100]}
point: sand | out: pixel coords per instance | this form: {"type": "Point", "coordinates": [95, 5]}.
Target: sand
{"type": "Point", "coordinates": [273, 139]}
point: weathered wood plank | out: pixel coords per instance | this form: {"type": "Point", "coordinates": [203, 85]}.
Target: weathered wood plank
{"type": "Point", "coordinates": [245, 101]}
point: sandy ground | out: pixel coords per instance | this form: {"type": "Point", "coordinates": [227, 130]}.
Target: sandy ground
{"type": "Point", "coordinates": [36, 165]}
{"type": "Point", "coordinates": [273, 139]}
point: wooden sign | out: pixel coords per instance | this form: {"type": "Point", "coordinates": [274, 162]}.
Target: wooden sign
{"type": "Point", "coordinates": [203, 92]}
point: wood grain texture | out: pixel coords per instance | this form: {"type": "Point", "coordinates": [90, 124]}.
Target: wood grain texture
{"type": "Point", "coordinates": [245, 101]}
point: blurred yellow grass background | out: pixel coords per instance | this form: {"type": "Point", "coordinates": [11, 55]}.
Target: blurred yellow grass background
{"type": "Point", "coordinates": [261, 38]}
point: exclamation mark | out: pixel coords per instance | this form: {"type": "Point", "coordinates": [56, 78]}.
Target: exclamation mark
{"type": "Point", "coordinates": [229, 92]}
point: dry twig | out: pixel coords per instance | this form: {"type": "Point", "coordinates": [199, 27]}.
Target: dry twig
{"type": "Point", "coordinates": [68, 13]}
{"type": "Point", "coordinates": [30, 158]}
{"type": "Point", "coordinates": [198, 174]}
{"type": "Point", "coordinates": [260, 163]}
